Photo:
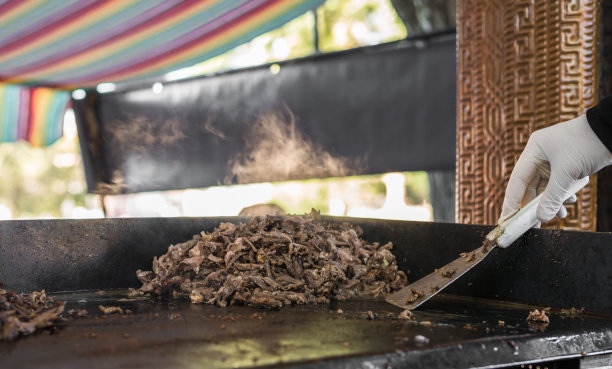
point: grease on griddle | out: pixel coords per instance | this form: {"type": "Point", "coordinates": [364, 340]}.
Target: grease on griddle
{"type": "Point", "coordinates": [273, 261]}
{"type": "Point", "coordinates": [21, 315]}
{"type": "Point", "coordinates": [420, 339]}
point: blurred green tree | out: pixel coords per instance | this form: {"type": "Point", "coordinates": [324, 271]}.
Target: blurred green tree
{"type": "Point", "coordinates": [42, 182]}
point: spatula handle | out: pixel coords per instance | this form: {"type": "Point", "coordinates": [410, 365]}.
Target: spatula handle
{"type": "Point", "coordinates": [513, 227]}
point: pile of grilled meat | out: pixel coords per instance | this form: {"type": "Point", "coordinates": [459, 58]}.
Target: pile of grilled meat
{"type": "Point", "coordinates": [273, 261]}
{"type": "Point", "coordinates": [24, 314]}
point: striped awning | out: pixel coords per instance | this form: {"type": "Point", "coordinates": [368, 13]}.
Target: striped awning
{"type": "Point", "coordinates": [49, 47]}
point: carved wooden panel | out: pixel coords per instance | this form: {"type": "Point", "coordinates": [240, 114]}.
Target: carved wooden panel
{"type": "Point", "coordinates": [522, 65]}
{"type": "Point", "coordinates": [604, 182]}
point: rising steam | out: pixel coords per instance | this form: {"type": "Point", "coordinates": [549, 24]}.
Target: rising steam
{"type": "Point", "coordinates": [132, 139]}
{"type": "Point", "coordinates": [139, 134]}
{"type": "Point", "coordinates": [275, 151]}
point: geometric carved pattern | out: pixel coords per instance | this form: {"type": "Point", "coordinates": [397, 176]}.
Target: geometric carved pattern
{"type": "Point", "coordinates": [522, 65]}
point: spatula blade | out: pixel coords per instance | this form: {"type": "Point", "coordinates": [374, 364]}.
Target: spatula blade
{"type": "Point", "coordinates": [425, 288]}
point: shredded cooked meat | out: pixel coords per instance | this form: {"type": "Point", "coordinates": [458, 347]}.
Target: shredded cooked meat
{"type": "Point", "coordinates": [24, 314]}
{"type": "Point", "coordinates": [274, 261]}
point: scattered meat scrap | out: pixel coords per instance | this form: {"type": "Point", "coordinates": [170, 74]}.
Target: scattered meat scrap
{"type": "Point", "coordinates": [572, 311]}
{"type": "Point", "coordinates": [77, 313]}
{"type": "Point", "coordinates": [108, 310]}
{"type": "Point", "coordinates": [406, 314]}
{"type": "Point", "coordinates": [24, 314]}
{"type": "Point", "coordinates": [446, 273]}
{"type": "Point", "coordinates": [415, 295]}
{"type": "Point", "coordinates": [470, 257]}
{"type": "Point", "coordinates": [538, 316]}
{"type": "Point", "coordinates": [274, 261]}
{"type": "Point", "coordinates": [488, 244]}
{"type": "Point", "coordinates": [513, 345]}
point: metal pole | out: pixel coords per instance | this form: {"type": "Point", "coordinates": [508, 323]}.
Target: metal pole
{"type": "Point", "coordinates": [315, 30]}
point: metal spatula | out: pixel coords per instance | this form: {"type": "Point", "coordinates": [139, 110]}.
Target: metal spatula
{"type": "Point", "coordinates": [503, 235]}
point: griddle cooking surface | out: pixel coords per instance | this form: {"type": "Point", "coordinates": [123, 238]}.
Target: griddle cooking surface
{"type": "Point", "coordinates": [176, 333]}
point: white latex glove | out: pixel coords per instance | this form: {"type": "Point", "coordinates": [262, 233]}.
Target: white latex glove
{"type": "Point", "coordinates": [554, 158]}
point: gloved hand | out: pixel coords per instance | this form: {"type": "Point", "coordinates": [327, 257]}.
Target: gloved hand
{"type": "Point", "coordinates": [554, 158]}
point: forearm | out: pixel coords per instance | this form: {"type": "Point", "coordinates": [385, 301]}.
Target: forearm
{"type": "Point", "coordinates": [600, 120]}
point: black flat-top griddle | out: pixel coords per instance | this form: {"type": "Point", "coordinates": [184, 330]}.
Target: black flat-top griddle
{"type": "Point", "coordinates": [480, 324]}
{"type": "Point", "coordinates": [456, 333]}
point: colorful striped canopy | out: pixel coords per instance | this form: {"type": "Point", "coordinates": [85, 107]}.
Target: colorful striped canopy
{"type": "Point", "coordinates": [48, 47]}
